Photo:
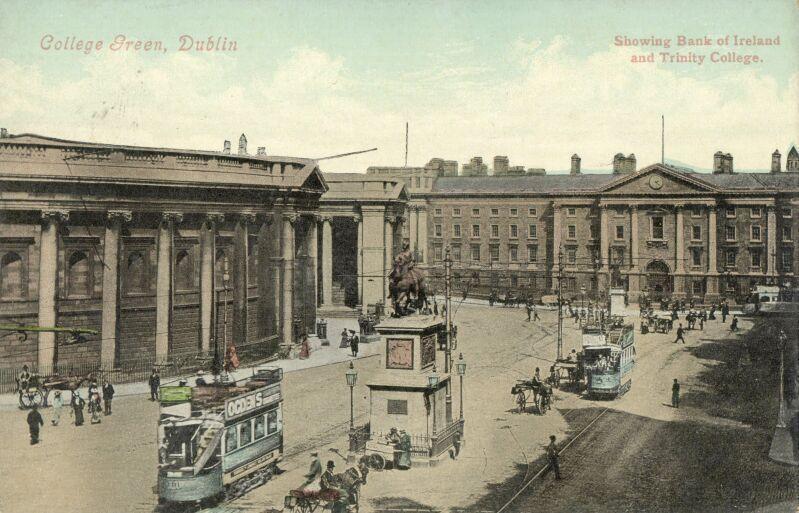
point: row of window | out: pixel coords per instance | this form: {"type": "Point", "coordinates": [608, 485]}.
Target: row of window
{"type": "Point", "coordinates": [137, 272]}
{"type": "Point", "coordinates": [729, 212]}
{"type": "Point", "coordinates": [656, 231]}
{"type": "Point", "coordinates": [617, 256]}
{"type": "Point", "coordinates": [251, 430]}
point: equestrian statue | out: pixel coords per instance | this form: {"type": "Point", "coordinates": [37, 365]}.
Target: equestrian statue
{"type": "Point", "coordinates": [406, 284]}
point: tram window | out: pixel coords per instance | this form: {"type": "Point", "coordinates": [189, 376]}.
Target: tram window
{"type": "Point", "coordinates": [231, 439]}
{"type": "Point", "coordinates": [271, 422]}
{"type": "Point", "coordinates": [260, 426]}
{"type": "Point", "coordinates": [245, 434]}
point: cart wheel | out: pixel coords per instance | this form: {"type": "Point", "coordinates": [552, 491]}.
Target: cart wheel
{"type": "Point", "coordinates": [377, 462]}
{"type": "Point", "coordinates": [38, 398]}
{"type": "Point", "coordinates": [521, 401]}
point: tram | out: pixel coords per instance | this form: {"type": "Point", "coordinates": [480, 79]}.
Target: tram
{"type": "Point", "coordinates": [608, 358]}
{"type": "Point", "coordinates": [219, 440]}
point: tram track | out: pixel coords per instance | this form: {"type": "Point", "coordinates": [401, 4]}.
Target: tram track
{"type": "Point", "coordinates": [528, 482]}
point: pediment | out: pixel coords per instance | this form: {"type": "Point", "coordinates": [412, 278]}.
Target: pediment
{"type": "Point", "coordinates": [658, 180]}
{"type": "Point", "coordinates": [315, 181]}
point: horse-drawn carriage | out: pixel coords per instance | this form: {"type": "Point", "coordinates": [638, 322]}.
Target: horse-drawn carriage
{"type": "Point", "coordinates": [568, 371]}
{"type": "Point", "coordinates": [304, 500]}
{"type": "Point", "coordinates": [38, 388]}
{"type": "Point", "coordinates": [526, 391]}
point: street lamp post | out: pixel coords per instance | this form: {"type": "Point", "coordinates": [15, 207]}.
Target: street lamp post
{"type": "Point", "coordinates": [782, 417]}
{"type": "Point", "coordinates": [432, 381]}
{"type": "Point", "coordinates": [448, 327]}
{"type": "Point", "coordinates": [352, 379]}
{"type": "Point", "coordinates": [461, 372]}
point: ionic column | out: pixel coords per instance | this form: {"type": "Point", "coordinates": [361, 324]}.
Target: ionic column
{"type": "Point", "coordinates": [771, 234]}
{"type": "Point", "coordinates": [287, 302]}
{"type": "Point", "coordinates": [327, 261]}
{"type": "Point", "coordinates": [712, 267]}
{"type": "Point", "coordinates": [207, 279]}
{"type": "Point", "coordinates": [604, 242]}
{"type": "Point", "coordinates": [679, 243]}
{"type": "Point", "coordinates": [414, 227]}
{"type": "Point", "coordinates": [241, 281]}
{"type": "Point", "coordinates": [359, 229]}
{"type": "Point", "coordinates": [48, 266]}
{"type": "Point", "coordinates": [109, 333]}
{"type": "Point", "coordinates": [163, 285]}
{"type": "Point", "coordinates": [388, 252]}
{"type": "Point", "coordinates": [423, 249]}
{"type": "Point", "coordinates": [634, 236]}
{"type": "Point", "coordinates": [555, 245]}
{"type": "Point", "coordinates": [313, 291]}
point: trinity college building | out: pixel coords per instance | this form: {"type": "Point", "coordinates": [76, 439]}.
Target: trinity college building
{"type": "Point", "coordinates": [169, 253]}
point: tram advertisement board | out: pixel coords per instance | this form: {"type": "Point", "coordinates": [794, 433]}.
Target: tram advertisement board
{"type": "Point", "coordinates": [244, 404]}
{"type": "Point", "coordinates": [173, 394]}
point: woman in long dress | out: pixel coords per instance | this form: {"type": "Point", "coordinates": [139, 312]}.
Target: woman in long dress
{"type": "Point", "coordinates": [404, 462]}
{"type": "Point", "coordinates": [58, 403]}
{"type": "Point", "coordinates": [77, 408]}
{"type": "Point", "coordinates": [305, 348]}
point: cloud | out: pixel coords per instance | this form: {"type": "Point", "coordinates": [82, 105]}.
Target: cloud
{"type": "Point", "coordinates": [311, 104]}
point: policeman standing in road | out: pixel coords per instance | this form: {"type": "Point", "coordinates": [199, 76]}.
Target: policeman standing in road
{"type": "Point", "coordinates": [553, 456]}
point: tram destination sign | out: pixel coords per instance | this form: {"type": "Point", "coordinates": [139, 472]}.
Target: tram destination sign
{"type": "Point", "coordinates": [244, 404]}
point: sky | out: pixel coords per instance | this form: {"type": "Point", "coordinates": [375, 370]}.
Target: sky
{"type": "Point", "coordinates": [535, 81]}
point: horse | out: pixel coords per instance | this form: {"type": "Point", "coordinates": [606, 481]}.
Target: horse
{"type": "Point", "coordinates": [351, 481]}
{"type": "Point", "coordinates": [404, 287]}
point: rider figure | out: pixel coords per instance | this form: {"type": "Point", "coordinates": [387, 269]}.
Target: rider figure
{"type": "Point", "coordinates": [329, 482]}
{"type": "Point", "coordinates": [403, 263]}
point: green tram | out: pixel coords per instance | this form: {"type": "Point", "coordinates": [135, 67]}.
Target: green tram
{"type": "Point", "coordinates": [608, 359]}
{"type": "Point", "coordinates": [219, 440]}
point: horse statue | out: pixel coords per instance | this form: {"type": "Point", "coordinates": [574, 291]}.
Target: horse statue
{"type": "Point", "coordinates": [407, 287]}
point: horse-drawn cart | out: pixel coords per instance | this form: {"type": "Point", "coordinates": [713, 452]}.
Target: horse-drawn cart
{"type": "Point", "coordinates": [38, 388]}
{"type": "Point", "coordinates": [343, 498]}
{"type": "Point", "coordinates": [525, 391]}
{"type": "Point", "coordinates": [566, 370]}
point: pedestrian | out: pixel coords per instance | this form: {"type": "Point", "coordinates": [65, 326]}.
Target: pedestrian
{"type": "Point", "coordinates": [529, 312]}
{"type": "Point", "coordinates": [680, 332]}
{"type": "Point", "coordinates": [77, 407]}
{"type": "Point", "coordinates": [535, 314]}
{"type": "Point", "coordinates": [200, 381]}
{"type": "Point", "coordinates": [155, 382]}
{"type": "Point", "coordinates": [354, 341]}
{"type": "Point", "coordinates": [305, 347]}
{"type": "Point", "coordinates": [108, 395]}
{"type": "Point", "coordinates": [675, 394]}
{"type": "Point", "coordinates": [95, 407]}
{"type": "Point", "coordinates": [404, 462]}
{"type": "Point", "coordinates": [314, 473]}
{"type": "Point", "coordinates": [345, 339]}
{"type": "Point", "coordinates": [734, 325]}
{"type": "Point", "coordinates": [725, 311]}
{"type": "Point", "coordinates": [701, 322]}
{"type": "Point", "coordinates": [34, 423]}
{"type": "Point", "coordinates": [553, 456]}
{"type": "Point", "coordinates": [58, 403]}
{"type": "Point", "coordinates": [23, 380]}
{"type": "Point", "coordinates": [435, 307]}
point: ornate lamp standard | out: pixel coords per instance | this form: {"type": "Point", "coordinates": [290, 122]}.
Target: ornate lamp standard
{"type": "Point", "coordinates": [432, 382]}
{"type": "Point", "coordinates": [352, 379]}
{"type": "Point", "coordinates": [461, 372]}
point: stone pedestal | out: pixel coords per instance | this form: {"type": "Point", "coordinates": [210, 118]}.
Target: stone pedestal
{"type": "Point", "coordinates": [400, 394]}
{"type": "Point", "coordinates": [617, 301]}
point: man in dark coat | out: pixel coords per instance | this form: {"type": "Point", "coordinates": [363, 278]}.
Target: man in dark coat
{"type": "Point", "coordinates": [354, 341]}
{"type": "Point", "coordinates": [675, 394]}
{"type": "Point", "coordinates": [108, 394]}
{"type": "Point", "coordinates": [155, 382]}
{"type": "Point", "coordinates": [680, 333]}
{"type": "Point", "coordinates": [553, 456]}
{"type": "Point", "coordinates": [725, 311]}
{"type": "Point", "coordinates": [35, 421]}
{"type": "Point", "coordinates": [77, 408]}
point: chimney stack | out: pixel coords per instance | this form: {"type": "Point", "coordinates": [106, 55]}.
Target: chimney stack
{"type": "Point", "coordinates": [575, 170]}
{"type": "Point", "coordinates": [243, 145]}
{"type": "Point", "coordinates": [631, 163]}
{"type": "Point", "coordinates": [617, 161]}
{"type": "Point", "coordinates": [776, 165]}
{"type": "Point", "coordinates": [722, 163]}
{"type": "Point", "coordinates": [623, 165]}
{"type": "Point", "coordinates": [3, 133]}
{"type": "Point", "coordinates": [261, 150]}
{"type": "Point", "coordinates": [226, 148]}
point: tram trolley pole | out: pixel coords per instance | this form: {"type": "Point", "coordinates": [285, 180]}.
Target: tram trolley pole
{"type": "Point", "coordinates": [448, 329]}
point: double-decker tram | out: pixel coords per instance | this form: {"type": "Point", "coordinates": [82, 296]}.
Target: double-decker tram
{"type": "Point", "coordinates": [217, 441]}
{"type": "Point", "coordinates": [608, 358]}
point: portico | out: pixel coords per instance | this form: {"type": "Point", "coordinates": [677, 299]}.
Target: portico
{"type": "Point", "coordinates": [362, 224]}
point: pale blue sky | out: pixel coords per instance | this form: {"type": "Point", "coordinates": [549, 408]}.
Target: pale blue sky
{"type": "Point", "coordinates": [394, 61]}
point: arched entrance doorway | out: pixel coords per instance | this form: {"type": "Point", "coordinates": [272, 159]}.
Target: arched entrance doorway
{"type": "Point", "coordinates": [658, 279]}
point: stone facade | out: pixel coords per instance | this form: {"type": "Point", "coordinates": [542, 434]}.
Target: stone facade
{"type": "Point", "coordinates": [158, 250]}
